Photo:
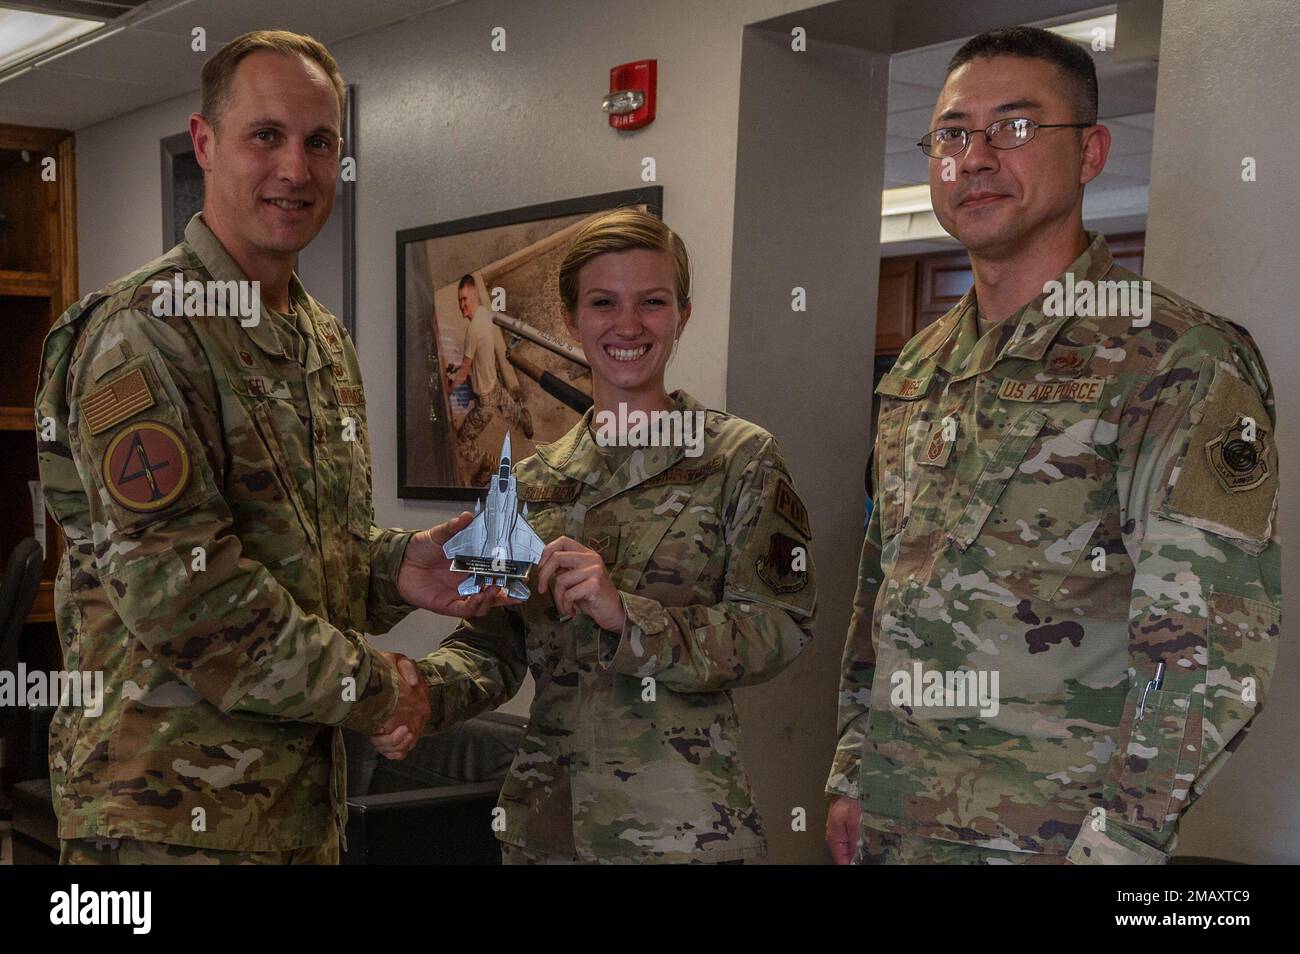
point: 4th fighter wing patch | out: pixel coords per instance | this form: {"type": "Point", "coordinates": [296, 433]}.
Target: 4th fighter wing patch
{"type": "Point", "coordinates": [146, 466]}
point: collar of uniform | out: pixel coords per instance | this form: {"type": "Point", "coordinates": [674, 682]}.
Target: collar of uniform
{"type": "Point", "coordinates": [218, 263]}
{"type": "Point", "coordinates": [1035, 332]}
{"type": "Point", "coordinates": [576, 454]}
{"type": "Point", "coordinates": [958, 332]}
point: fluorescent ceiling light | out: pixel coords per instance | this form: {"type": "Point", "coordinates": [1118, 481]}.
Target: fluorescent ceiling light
{"type": "Point", "coordinates": [24, 36]}
{"type": "Point", "coordinates": [905, 200]}
{"type": "Point", "coordinates": [1084, 31]}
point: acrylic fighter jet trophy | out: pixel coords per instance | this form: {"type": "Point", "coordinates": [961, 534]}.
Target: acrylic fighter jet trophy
{"type": "Point", "coordinates": [499, 547]}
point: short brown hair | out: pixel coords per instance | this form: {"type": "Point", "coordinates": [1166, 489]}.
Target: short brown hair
{"type": "Point", "coordinates": [622, 231]}
{"type": "Point", "coordinates": [219, 72]}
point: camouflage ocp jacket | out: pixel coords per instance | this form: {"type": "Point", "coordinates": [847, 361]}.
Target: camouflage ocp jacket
{"type": "Point", "coordinates": [633, 748]}
{"type": "Point", "coordinates": [1081, 502]}
{"type": "Point", "coordinates": [212, 483]}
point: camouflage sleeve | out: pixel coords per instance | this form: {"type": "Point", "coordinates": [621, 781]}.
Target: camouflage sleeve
{"type": "Point", "coordinates": [478, 667]}
{"type": "Point", "coordinates": [769, 597]}
{"type": "Point", "coordinates": [171, 567]}
{"type": "Point", "coordinates": [1198, 484]}
{"type": "Point", "coordinates": [385, 608]}
{"type": "Point", "coordinates": [858, 668]}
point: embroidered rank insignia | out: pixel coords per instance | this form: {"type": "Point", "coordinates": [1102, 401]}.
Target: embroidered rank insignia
{"type": "Point", "coordinates": [787, 504]}
{"type": "Point", "coordinates": [777, 569]}
{"type": "Point", "coordinates": [1070, 361]}
{"type": "Point", "coordinates": [604, 542]}
{"type": "Point", "coordinates": [1239, 464]}
{"type": "Point", "coordinates": [330, 337]}
{"type": "Point", "coordinates": [116, 401]}
{"type": "Point", "coordinates": [339, 370]}
{"type": "Point", "coordinates": [146, 466]}
{"type": "Point", "coordinates": [543, 493]}
{"type": "Point", "coordinates": [937, 450]}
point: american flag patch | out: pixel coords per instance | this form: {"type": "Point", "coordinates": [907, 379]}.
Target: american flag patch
{"type": "Point", "coordinates": [116, 401]}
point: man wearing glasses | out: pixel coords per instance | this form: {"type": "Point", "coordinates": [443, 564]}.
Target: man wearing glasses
{"type": "Point", "coordinates": [1068, 601]}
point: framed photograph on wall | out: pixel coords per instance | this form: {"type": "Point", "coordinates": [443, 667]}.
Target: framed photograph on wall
{"type": "Point", "coordinates": [482, 350]}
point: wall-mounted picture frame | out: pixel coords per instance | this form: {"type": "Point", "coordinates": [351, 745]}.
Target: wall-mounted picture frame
{"type": "Point", "coordinates": [482, 350]}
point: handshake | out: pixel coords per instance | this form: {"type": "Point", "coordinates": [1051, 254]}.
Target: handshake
{"type": "Point", "coordinates": [425, 579]}
{"type": "Point", "coordinates": [402, 730]}
{"type": "Point", "coordinates": [574, 575]}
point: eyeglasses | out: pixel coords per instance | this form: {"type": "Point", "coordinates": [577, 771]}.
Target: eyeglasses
{"type": "Point", "coordinates": [948, 142]}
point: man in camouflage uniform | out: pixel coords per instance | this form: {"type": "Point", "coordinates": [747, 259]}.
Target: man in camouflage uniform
{"type": "Point", "coordinates": [1079, 502]}
{"type": "Point", "coordinates": [211, 475]}
{"type": "Point", "coordinates": [633, 749]}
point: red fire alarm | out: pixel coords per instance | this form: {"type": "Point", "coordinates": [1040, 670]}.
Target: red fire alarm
{"type": "Point", "coordinates": [631, 99]}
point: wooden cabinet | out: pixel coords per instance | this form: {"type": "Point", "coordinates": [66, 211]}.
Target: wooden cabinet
{"type": "Point", "coordinates": [917, 290]}
{"type": "Point", "coordinates": [896, 304]}
{"type": "Point", "coordinates": [38, 280]}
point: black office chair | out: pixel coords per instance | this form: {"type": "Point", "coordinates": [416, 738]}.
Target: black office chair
{"type": "Point", "coordinates": [21, 582]}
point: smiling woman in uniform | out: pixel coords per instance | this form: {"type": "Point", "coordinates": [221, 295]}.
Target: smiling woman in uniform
{"type": "Point", "coordinates": [673, 574]}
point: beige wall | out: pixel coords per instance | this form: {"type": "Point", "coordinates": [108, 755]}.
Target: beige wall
{"type": "Point", "coordinates": [1228, 78]}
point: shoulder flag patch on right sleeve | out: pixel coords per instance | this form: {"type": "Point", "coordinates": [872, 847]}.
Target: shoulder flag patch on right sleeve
{"type": "Point", "coordinates": [116, 401]}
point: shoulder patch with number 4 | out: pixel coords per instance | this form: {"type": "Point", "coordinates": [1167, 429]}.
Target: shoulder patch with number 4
{"type": "Point", "coordinates": [146, 466]}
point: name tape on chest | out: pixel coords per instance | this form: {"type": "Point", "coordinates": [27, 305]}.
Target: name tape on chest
{"type": "Point", "coordinates": [116, 401]}
{"type": "Point", "coordinates": [912, 386]}
{"type": "Point", "coordinates": [1081, 390]}
{"type": "Point", "coordinates": [350, 395]}
{"type": "Point", "coordinates": [549, 493]}
{"type": "Point", "coordinates": [256, 385]}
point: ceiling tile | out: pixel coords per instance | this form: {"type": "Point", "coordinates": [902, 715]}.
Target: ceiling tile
{"type": "Point", "coordinates": [29, 117]}
{"type": "Point", "coordinates": [134, 56]}
{"type": "Point", "coordinates": [908, 169]}
{"type": "Point", "coordinates": [904, 96]}
{"type": "Point", "coordinates": [908, 124]}
{"type": "Point", "coordinates": [923, 67]}
{"type": "Point", "coordinates": [1136, 166]}
{"type": "Point", "coordinates": [1128, 140]}
{"type": "Point", "coordinates": [326, 20]}
{"type": "Point", "coordinates": [81, 101]}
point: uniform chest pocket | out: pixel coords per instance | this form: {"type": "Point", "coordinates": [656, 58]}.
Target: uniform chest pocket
{"type": "Point", "coordinates": [1035, 507]}
{"type": "Point", "coordinates": [891, 477]}
{"type": "Point", "coordinates": [262, 445]}
{"type": "Point", "coordinates": [360, 507]}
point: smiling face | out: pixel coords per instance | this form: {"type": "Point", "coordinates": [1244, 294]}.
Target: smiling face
{"type": "Point", "coordinates": [273, 160]}
{"type": "Point", "coordinates": [1000, 202]}
{"type": "Point", "coordinates": [626, 319]}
